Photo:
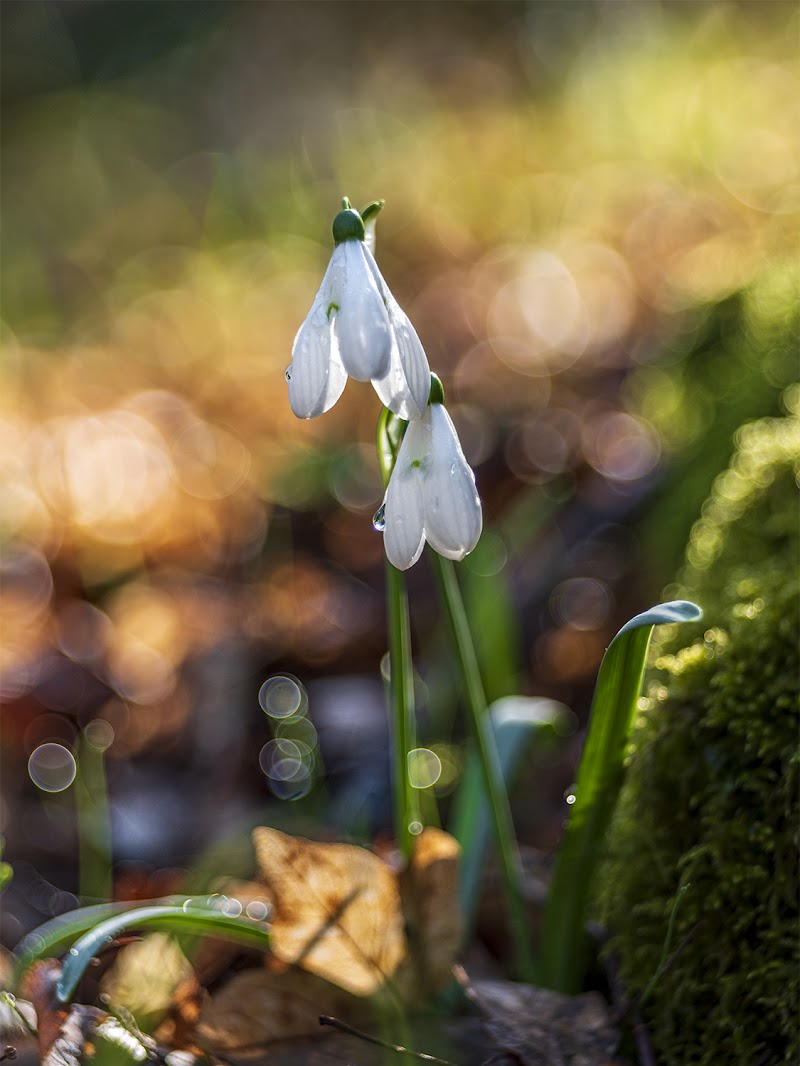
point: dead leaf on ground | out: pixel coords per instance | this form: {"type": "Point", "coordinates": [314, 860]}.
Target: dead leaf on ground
{"type": "Point", "coordinates": [258, 1007]}
{"type": "Point", "coordinates": [429, 889]}
{"type": "Point", "coordinates": [145, 975]}
{"type": "Point", "coordinates": [539, 1027]}
{"type": "Point", "coordinates": [339, 923]}
{"type": "Point", "coordinates": [336, 910]}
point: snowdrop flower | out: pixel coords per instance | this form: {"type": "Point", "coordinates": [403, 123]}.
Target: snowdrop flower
{"type": "Point", "coordinates": [431, 493]}
{"type": "Point", "coordinates": [356, 328]}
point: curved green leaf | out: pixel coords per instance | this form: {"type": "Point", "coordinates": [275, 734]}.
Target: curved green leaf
{"type": "Point", "coordinates": [186, 919]}
{"type": "Point", "coordinates": [599, 779]}
{"type": "Point", "coordinates": [663, 614]}
{"type": "Point", "coordinates": [517, 721]}
{"type": "Point", "coordinates": [54, 937]}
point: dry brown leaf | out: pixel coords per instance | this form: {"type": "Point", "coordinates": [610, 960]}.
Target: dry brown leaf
{"type": "Point", "coordinates": [257, 1007]}
{"type": "Point", "coordinates": [430, 901]}
{"type": "Point", "coordinates": [336, 910]}
{"type": "Point", "coordinates": [145, 975]}
{"type": "Point", "coordinates": [338, 930]}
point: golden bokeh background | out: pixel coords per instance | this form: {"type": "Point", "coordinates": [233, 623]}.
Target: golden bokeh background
{"type": "Point", "coordinates": [591, 219]}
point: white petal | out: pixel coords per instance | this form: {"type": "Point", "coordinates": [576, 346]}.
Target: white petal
{"type": "Point", "coordinates": [316, 376]}
{"type": "Point", "coordinates": [403, 535]}
{"type": "Point", "coordinates": [453, 514]}
{"type": "Point", "coordinates": [369, 234]}
{"type": "Point", "coordinates": [362, 322]}
{"type": "Point", "coordinates": [406, 386]}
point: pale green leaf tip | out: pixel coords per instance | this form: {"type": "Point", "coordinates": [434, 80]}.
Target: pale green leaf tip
{"type": "Point", "coordinates": [437, 390]}
{"type": "Point", "coordinates": [371, 211]}
{"type": "Point", "coordinates": [663, 614]}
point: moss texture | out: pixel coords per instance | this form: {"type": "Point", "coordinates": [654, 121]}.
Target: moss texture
{"type": "Point", "coordinates": [711, 795]}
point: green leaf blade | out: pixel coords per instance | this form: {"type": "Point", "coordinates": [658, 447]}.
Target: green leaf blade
{"type": "Point", "coordinates": [186, 919]}
{"type": "Point", "coordinates": [599, 779]}
{"type": "Point", "coordinates": [52, 938]}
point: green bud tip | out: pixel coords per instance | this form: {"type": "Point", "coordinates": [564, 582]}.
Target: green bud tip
{"type": "Point", "coordinates": [370, 212]}
{"type": "Point", "coordinates": [348, 224]}
{"type": "Point", "coordinates": [437, 390]}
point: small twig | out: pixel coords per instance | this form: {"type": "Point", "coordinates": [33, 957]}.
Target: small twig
{"type": "Point", "coordinates": [682, 945]}
{"type": "Point", "coordinates": [662, 962]}
{"type": "Point", "coordinates": [325, 1019]}
{"type": "Point", "coordinates": [624, 1006]}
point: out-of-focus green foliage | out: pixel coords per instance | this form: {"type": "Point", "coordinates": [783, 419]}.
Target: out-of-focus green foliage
{"type": "Point", "coordinates": [728, 367]}
{"type": "Point", "coordinates": [712, 791]}
{"type": "Point", "coordinates": [6, 870]}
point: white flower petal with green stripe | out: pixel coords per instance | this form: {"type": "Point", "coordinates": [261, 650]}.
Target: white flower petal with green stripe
{"type": "Point", "coordinates": [431, 494]}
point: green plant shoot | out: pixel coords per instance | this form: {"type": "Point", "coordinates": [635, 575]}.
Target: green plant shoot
{"type": "Point", "coordinates": [599, 778]}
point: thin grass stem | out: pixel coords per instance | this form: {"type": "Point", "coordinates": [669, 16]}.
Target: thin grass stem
{"type": "Point", "coordinates": [401, 688]}
{"type": "Point", "coordinates": [489, 759]}
{"type": "Point", "coordinates": [94, 825]}
{"type": "Point", "coordinates": [401, 666]}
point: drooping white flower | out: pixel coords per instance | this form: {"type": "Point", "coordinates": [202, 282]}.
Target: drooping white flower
{"type": "Point", "coordinates": [431, 494]}
{"type": "Point", "coordinates": [356, 328]}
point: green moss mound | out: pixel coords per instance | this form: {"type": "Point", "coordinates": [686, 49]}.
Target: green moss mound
{"type": "Point", "coordinates": [711, 796]}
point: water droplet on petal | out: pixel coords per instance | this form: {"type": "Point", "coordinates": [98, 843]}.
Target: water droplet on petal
{"type": "Point", "coordinates": [288, 373]}
{"type": "Point", "coordinates": [379, 518]}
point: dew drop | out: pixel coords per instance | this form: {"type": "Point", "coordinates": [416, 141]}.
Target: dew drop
{"type": "Point", "coordinates": [569, 795]}
{"type": "Point", "coordinates": [379, 518]}
{"type": "Point", "coordinates": [257, 909]}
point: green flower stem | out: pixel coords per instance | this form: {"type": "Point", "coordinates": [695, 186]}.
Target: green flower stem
{"type": "Point", "coordinates": [94, 824]}
{"type": "Point", "coordinates": [489, 759]}
{"type": "Point", "coordinates": [401, 685]}
{"type": "Point", "coordinates": [401, 667]}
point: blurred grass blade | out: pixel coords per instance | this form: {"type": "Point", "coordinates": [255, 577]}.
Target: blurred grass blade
{"type": "Point", "coordinates": [54, 937]}
{"type": "Point", "coordinates": [599, 778]}
{"type": "Point", "coordinates": [517, 721]}
{"type": "Point", "coordinates": [187, 919]}
{"type": "Point", "coordinates": [6, 871]}
{"type": "Point", "coordinates": [94, 823]}
{"type": "Point", "coordinates": [493, 618]}
{"type": "Point", "coordinates": [486, 748]}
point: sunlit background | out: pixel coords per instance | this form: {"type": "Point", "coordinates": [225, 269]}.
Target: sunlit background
{"type": "Point", "coordinates": [591, 219]}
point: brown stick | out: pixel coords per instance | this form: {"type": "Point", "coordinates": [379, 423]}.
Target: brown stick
{"type": "Point", "coordinates": [624, 1007]}
{"type": "Point", "coordinates": [325, 1019]}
